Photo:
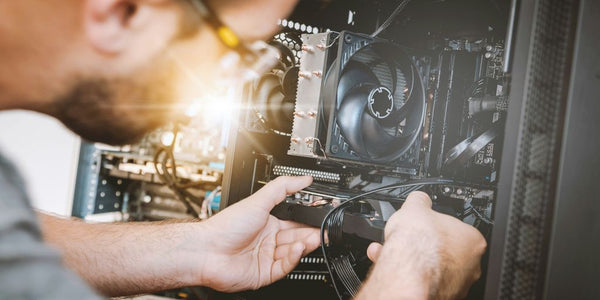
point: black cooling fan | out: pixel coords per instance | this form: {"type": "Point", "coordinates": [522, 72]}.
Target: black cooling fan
{"type": "Point", "coordinates": [274, 93]}
{"type": "Point", "coordinates": [374, 102]}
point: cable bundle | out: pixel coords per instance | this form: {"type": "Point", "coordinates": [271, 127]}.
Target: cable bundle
{"type": "Point", "coordinates": [166, 169]}
{"type": "Point", "coordinates": [339, 264]}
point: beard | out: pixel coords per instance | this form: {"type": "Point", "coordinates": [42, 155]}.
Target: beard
{"type": "Point", "coordinates": [118, 111]}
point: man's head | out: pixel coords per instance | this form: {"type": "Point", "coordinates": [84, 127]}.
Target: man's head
{"type": "Point", "coordinates": [113, 69]}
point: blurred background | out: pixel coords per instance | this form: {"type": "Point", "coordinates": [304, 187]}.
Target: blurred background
{"type": "Point", "coordinates": [45, 153]}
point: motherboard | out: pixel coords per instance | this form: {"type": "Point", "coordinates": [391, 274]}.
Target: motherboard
{"type": "Point", "coordinates": [373, 116]}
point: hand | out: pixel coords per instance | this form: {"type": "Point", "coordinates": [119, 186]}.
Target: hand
{"type": "Point", "coordinates": [252, 20]}
{"type": "Point", "coordinates": [426, 255]}
{"type": "Point", "coordinates": [248, 248]}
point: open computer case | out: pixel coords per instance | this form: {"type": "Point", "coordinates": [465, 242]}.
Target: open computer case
{"type": "Point", "coordinates": [490, 106]}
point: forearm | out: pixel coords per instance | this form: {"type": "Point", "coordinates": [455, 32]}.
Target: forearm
{"type": "Point", "coordinates": [122, 259]}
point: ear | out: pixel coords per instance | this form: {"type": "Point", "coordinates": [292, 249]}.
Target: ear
{"type": "Point", "coordinates": [117, 26]}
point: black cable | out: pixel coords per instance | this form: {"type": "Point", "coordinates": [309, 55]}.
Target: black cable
{"type": "Point", "coordinates": [266, 124]}
{"type": "Point", "coordinates": [407, 184]}
{"type": "Point", "coordinates": [481, 217]}
{"type": "Point", "coordinates": [170, 181]}
{"type": "Point", "coordinates": [391, 18]}
{"type": "Point", "coordinates": [346, 273]}
{"type": "Point", "coordinates": [341, 265]}
{"type": "Point", "coordinates": [170, 178]}
{"type": "Point", "coordinates": [351, 277]}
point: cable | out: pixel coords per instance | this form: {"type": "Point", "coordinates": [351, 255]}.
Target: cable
{"type": "Point", "coordinates": [266, 125]}
{"type": "Point", "coordinates": [170, 178]}
{"type": "Point", "coordinates": [419, 182]}
{"type": "Point", "coordinates": [206, 211]}
{"type": "Point", "coordinates": [341, 265]}
{"type": "Point", "coordinates": [481, 217]}
{"type": "Point", "coordinates": [391, 18]}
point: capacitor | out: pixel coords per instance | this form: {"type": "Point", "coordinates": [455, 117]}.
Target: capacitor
{"type": "Point", "coordinates": [487, 103]}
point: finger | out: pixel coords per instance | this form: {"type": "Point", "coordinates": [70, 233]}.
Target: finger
{"type": "Point", "coordinates": [311, 243]}
{"type": "Point", "coordinates": [275, 191]}
{"type": "Point", "coordinates": [373, 251]}
{"type": "Point", "coordinates": [293, 235]}
{"type": "Point", "coordinates": [418, 200]}
{"type": "Point", "coordinates": [284, 225]}
{"type": "Point", "coordinates": [287, 261]}
{"type": "Point", "coordinates": [309, 238]}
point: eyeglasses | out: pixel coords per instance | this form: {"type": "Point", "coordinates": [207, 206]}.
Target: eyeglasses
{"type": "Point", "coordinates": [244, 61]}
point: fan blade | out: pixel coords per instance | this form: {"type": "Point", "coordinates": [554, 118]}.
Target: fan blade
{"type": "Point", "coordinates": [264, 89]}
{"type": "Point", "coordinates": [287, 109]}
{"type": "Point", "coordinates": [287, 57]}
{"type": "Point", "coordinates": [290, 82]}
{"type": "Point", "coordinates": [270, 100]}
{"type": "Point", "coordinates": [401, 113]}
{"type": "Point", "coordinates": [274, 110]}
{"type": "Point", "coordinates": [349, 116]}
{"type": "Point", "coordinates": [378, 142]}
{"type": "Point", "coordinates": [386, 57]}
{"type": "Point", "coordinates": [410, 111]}
{"type": "Point", "coordinates": [354, 74]}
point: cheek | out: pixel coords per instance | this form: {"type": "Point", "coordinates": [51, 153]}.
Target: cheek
{"type": "Point", "coordinates": [197, 64]}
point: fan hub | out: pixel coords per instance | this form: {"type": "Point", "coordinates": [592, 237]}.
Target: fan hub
{"type": "Point", "coordinates": [381, 102]}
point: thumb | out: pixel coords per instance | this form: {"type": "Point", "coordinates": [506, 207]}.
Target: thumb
{"type": "Point", "coordinates": [373, 251]}
{"type": "Point", "coordinates": [275, 191]}
{"type": "Point", "coordinates": [417, 200]}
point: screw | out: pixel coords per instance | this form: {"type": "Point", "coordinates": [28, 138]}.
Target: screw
{"type": "Point", "coordinates": [300, 114]}
{"type": "Point", "coordinates": [335, 149]}
{"type": "Point", "coordinates": [307, 48]}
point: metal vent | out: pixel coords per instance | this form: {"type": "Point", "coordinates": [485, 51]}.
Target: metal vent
{"type": "Point", "coordinates": [322, 176]}
{"type": "Point", "coordinates": [533, 193]}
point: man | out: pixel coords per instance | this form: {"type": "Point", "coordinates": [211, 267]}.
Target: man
{"type": "Point", "coordinates": [111, 70]}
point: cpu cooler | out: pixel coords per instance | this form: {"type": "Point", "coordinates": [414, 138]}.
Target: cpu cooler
{"type": "Point", "coordinates": [372, 101]}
